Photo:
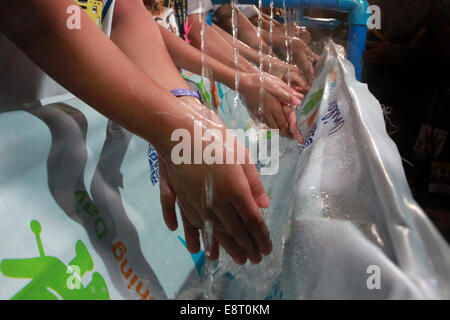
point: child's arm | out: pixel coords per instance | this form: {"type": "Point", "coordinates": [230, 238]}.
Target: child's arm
{"type": "Point", "coordinates": [189, 58]}
{"type": "Point", "coordinates": [302, 54]}
{"type": "Point", "coordinates": [137, 35]}
{"type": "Point", "coordinates": [246, 32]}
{"type": "Point", "coordinates": [215, 45]}
{"type": "Point", "coordinates": [270, 64]}
{"type": "Point", "coordinates": [91, 66]}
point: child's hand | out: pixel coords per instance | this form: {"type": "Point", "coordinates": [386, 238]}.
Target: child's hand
{"type": "Point", "coordinates": [191, 233]}
{"type": "Point", "coordinates": [230, 203]}
{"type": "Point", "coordinates": [304, 57]}
{"type": "Point", "coordinates": [289, 74]}
{"type": "Point", "coordinates": [299, 32]}
{"type": "Point", "coordinates": [276, 99]}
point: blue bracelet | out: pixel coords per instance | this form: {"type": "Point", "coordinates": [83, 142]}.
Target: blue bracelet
{"type": "Point", "coordinates": [187, 92]}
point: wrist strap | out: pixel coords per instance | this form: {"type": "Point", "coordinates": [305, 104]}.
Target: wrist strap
{"type": "Point", "coordinates": [187, 92]}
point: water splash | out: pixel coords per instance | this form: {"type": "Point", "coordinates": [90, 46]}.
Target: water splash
{"type": "Point", "coordinates": [209, 268]}
{"type": "Point", "coordinates": [261, 60]}
{"type": "Point", "coordinates": [270, 37]}
{"type": "Point", "coordinates": [234, 24]}
{"type": "Point", "coordinates": [287, 42]}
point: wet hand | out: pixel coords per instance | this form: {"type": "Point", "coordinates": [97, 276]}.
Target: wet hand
{"type": "Point", "coordinates": [304, 57]}
{"type": "Point", "coordinates": [225, 196]}
{"type": "Point", "coordinates": [290, 74]}
{"type": "Point", "coordinates": [276, 105]}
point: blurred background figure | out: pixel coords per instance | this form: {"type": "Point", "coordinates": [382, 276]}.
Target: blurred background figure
{"type": "Point", "coordinates": [406, 68]}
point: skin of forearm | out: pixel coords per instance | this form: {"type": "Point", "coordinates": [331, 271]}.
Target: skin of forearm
{"type": "Point", "coordinates": [111, 83]}
{"type": "Point", "coordinates": [249, 53]}
{"type": "Point", "coordinates": [246, 32]}
{"type": "Point", "coordinates": [244, 50]}
{"type": "Point", "coordinates": [187, 57]}
{"type": "Point", "coordinates": [132, 17]}
{"type": "Point", "coordinates": [216, 46]}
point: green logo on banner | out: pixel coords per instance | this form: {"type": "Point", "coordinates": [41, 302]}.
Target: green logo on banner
{"type": "Point", "coordinates": [315, 98]}
{"type": "Point", "coordinates": [51, 279]}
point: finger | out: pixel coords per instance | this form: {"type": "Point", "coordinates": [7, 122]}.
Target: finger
{"type": "Point", "coordinates": [282, 92]}
{"type": "Point", "coordinates": [218, 227]}
{"type": "Point", "coordinates": [302, 74]}
{"type": "Point", "coordinates": [293, 127]}
{"type": "Point", "coordinates": [190, 214]}
{"type": "Point", "coordinates": [297, 80]}
{"type": "Point", "coordinates": [252, 218]}
{"type": "Point", "coordinates": [306, 66]}
{"type": "Point", "coordinates": [256, 187]}
{"type": "Point", "coordinates": [301, 89]}
{"type": "Point", "coordinates": [313, 56]}
{"type": "Point", "coordinates": [237, 230]}
{"type": "Point", "coordinates": [213, 254]}
{"type": "Point", "coordinates": [191, 235]}
{"type": "Point", "coordinates": [231, 247]}
{"type": "Point", "coordinates": [310, 53]}
{"type": "Point", "coordinates": [310, 77]}
{"type": "Point", "coordinates": [270, 121]}
{"type": "Point", "coordinates": [168, 199]}
{"type": "Point", "coordinates": [208, 241]}
{"type": "Point", "coordinates": [287, 95]}
{"type": "Point", "coordinates": [281, 120]}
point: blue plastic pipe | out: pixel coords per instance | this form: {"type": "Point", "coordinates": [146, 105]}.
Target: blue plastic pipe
{"type": "Point", "coordinates": [357, 18]}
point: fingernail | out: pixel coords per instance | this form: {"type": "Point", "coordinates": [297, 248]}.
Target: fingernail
{"type": "Point", "coordinates": [267, 251]}
{"type": "Point", "coordinates": [256, 259]}
{"type": "Point", "coordinates": [298, 94]}
{"type": "Point", "coordinates": [296, 101]}
{"type": "Point", "coordinates": [298, 136]}
{"type": "Point", "coordinates": [264, 200]}
{"type": "Point", "coordinates": [210, 258]}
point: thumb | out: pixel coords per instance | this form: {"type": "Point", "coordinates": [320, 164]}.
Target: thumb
{"type": "Point", "coordinates": [255, 183]}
